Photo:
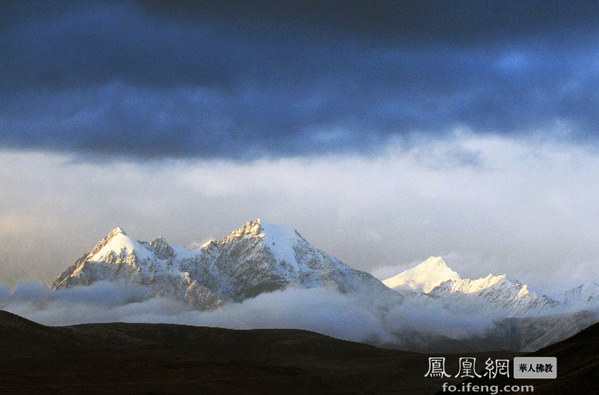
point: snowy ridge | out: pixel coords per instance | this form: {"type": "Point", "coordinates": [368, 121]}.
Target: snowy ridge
{"type": "Point", "coordinates": [253, 259]}
{"type": "Point", "coordinates": [500, 292]}
{"type": "Point", "coordinates": [467, 286]}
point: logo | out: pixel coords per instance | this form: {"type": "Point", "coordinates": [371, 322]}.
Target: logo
{"type": "Point", "coordinates": [523, 368]}
{"type": "Point", "coordinates": [535, 367]}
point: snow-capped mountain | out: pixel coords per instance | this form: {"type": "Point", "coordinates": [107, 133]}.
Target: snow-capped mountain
{"type": "Point", "coordinates": [423, 277]}
{"type": "Point", "coordinates": [586, 294]}
{"type": "Point", "coordinates": [252, 259]}
{"type": "Point", "coordinates": [439, 311]}
{"type": "Point", "coordinates": [501, 292]}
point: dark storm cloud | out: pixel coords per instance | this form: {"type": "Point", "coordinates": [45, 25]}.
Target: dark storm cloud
{"type": "Point", "coordinates": [243, 80]}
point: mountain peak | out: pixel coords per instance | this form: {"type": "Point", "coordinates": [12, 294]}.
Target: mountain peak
{"type": "Point", "coordinates": [424, 276]}
{"type": "Point", "coordinates": [116, 231]}
{"type": "Point", "coordinates": [103, 242]}
{"type": "Point", "coordinates": [249, 229]}
{"type": "Point", "coordinates": [259, 229]}
{"type": "Point", "coordinates": [436, 262]}
{"type": "Point", "coordinates": [253, 259]}
{"type": "Point", "coordinates": [115, 243]}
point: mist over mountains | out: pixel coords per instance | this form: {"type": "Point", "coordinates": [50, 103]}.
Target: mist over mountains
{"type": "Point", "coordinates": [269, 276]}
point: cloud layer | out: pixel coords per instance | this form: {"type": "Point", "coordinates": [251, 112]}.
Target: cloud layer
{"type": "Point", "coordinates": [157, 79]}
{"type": "Point", "coordinates": [383, 321]}
{"type": "Point", "coordinates": [488, 204]}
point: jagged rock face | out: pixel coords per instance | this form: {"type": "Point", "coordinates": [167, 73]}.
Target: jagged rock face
{"type": "Point", "coordinates": [161, 248]}
{"type": "Point", "coordinates": [251, 260]}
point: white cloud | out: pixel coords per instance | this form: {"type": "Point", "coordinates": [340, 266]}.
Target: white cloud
{"type": "Point", "coordinates": [492, 204]}
{"type": "Point", "coordinates": [355, 317]}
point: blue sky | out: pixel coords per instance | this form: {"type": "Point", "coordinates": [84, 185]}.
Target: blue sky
{"type": "Point", "coordinates": [411, 128]}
